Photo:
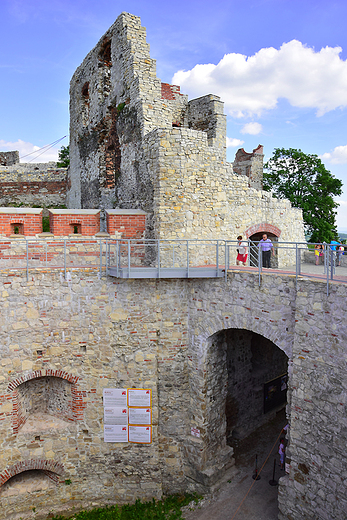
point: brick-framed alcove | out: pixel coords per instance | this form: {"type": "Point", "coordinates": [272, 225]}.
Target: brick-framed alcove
{"type": "Point", "coordinates": [54, 392]}
{"type": "Point", "coordinates": [53, 469]}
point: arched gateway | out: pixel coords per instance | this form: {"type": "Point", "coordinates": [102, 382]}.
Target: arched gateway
{"type": "Point", "coordinates": [233, 356]}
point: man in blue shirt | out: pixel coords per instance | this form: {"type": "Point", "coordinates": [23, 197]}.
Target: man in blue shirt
{"type": "Point", "coordinates": [266, 247]}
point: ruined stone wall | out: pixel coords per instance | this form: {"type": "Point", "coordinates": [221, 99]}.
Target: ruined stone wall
{"type": "Point", "coordinates": [196, 196]}
{"type": "Point", "coordinates": [9, 158]}
{"type": "Point", "coordinates": [138, 143]}
{"type": "Point", "coordinates": [91, 333]}
{"type": "Point", "coordinates": [250, 165]}
{"type": "Point", "coordinates": [41, 184]}
{"type": "Point", "coordinates": [115, 99]}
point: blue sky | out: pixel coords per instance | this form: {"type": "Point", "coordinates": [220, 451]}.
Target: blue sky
{"type": "Point", "coordinates": [280, 67]}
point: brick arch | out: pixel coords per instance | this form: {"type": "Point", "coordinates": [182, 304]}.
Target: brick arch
{"type": "Point", "coordinates": [263, 227]}
{"type": "Point", "coordinates": [78, 403]}
{"type": "Point", "coordinates": [26, 465]}
{"type": "Point", "coordinates": [41, 373]}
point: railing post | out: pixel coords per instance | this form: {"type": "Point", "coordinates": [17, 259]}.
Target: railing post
{"type": "Point", "coordinates": [217, 257]}
{"type": "Point", "coordinates": [128, 258]}
{"type": "Point", "coordinates": [326, 264]}
{"type": "Point", "coordinates": [260, 263]}
{"type": "Point", "coordinates": [332, 258]}
{"type": "Point", "coordinates": [187, 259]}
{"type": "Point", "coordinates": [173, 254]}
{"type": "Point", "coordinates": [27, 254]}
{"type": "Point", "coordinates": [46, 253]}
{"type": "Point", "coordinates": [65, 259]}
{"type": "Point", "coordinates": [158, 258]}
{"type": "Point", "coordinates": [226, 260]}
{"type": "Point", "coordinates": [100, 258]}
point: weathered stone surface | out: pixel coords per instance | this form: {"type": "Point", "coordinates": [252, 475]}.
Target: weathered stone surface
{"type": "Point", "coordinates": [138, 143]}
{"type": "Point", "coordinates": [82, 335]}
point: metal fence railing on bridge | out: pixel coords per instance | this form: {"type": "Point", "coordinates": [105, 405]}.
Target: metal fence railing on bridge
{"type": "Point", "coordinates": [183, 258]}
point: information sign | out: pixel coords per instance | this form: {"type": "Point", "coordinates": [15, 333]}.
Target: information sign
{"type": "Point", "coordinates": [140, 434]}
{"type": "Point", "coordinates": [116, 415]}
{"type": "Point", "coordinates": [115, 433]}
{"type": "Point", "coordinates": [139, 397]}
{"type": "Point", "coordinates": [115, 396]}
{"type": "Point", "coordinates": [140, 416]}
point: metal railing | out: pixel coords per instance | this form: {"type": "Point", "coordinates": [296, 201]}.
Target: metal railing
{"type": "Point", "coordinates": [181, 258]}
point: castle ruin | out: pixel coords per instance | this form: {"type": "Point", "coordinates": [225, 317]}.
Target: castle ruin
{"type": "Point", "coordinates": [77, 343]}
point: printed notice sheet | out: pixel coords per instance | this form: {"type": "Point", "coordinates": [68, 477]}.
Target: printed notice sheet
{"type": "Point", "coordinates": [140, 416]}
{"type": "Point", "coordinates": [139, 397]}
{"type": "Point", "coordinates": [116, 415]}
{"type": "Point", "coordinates": [115, 397]}
{"type": "Point", "coordinates": [115, 433]}
{"type": "Point", "coordinates": [140, 434]}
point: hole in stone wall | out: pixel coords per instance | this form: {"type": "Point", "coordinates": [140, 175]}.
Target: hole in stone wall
{"type": "Point", "coordinates": [105, 52]}
{"type": "Point", "coordinates": [44, 403]}
{"type": "Point", "coordinates": [31, 481]}
{"type": "Point", "coordinates": [85, 90]}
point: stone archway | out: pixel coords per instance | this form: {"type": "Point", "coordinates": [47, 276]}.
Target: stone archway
{"type": "Point", "coordinates": [211, 456]}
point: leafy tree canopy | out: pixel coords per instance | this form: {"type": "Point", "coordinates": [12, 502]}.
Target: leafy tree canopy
{"type": "Point", "coordinates": [64, 157]}
{"type": "Point", "coordinates": [304, 180]}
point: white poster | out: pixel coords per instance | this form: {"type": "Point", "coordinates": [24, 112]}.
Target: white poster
{"type": "Point", "coordinates": [140, 416]}
{"type": "Point", "coordinates": [140, 434]}
{"type": "Point", "coordinates": [116, 415]}
{"type": "Point", "coordinates": [139, 397]}
{"type": "Point", "coordinates": [115, 396]}
{"type": "Point", "coordinates": [115, 433]}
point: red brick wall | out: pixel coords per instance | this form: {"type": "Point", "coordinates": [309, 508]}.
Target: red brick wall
{"type": "Point", "coordinates": [28, 224]}
{"type": "Point", "coordinates": [168, 91]}
{"type": "Point", "coordinates": [130, 225]}
{"type": "Point", "coordinates": [62, 224]}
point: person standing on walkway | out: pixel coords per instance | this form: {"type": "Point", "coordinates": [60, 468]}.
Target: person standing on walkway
{"type": "Point", "coordinates": [266, 246]}
{"type": "Point", "coordinates": [281, 451]}
{"type": "Point", "coordinates": [241, 251]}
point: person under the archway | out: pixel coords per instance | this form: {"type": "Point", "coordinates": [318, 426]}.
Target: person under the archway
{"type": "Point", "coordinates": [281, 451]}
{"type": "Point", "coordinates": [241, 251]}
{"type": "Point", "coordinates": [266, 247]}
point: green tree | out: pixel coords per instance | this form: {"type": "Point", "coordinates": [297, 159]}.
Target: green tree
{"type": "Point", "coordinates": [304, 180]}
{"type": "Point", "coordinates": [64, 157]}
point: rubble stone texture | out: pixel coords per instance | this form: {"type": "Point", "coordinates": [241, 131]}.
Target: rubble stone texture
{"type": "Point", "coordinates": [40, 184]}
{"type": "Point", "coordinates": [64, 341]}
{"type": "Point", "coordinates": [138, 143]}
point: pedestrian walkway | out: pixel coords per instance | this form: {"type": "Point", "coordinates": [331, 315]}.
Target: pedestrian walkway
{"type": "Point", "coordinates": [261, 501]}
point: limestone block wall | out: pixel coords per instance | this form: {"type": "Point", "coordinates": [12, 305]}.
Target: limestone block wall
{"type": "Point", "coordinates": [115, 99]}
{"type": "Point", "coordinates": [40, 184]}
{"type": "Point", "coordinates": [65, 340]}
{"type": "Point", "coordinates": [251, 165]}
{"type": "Point", "coordinates": [197, 196]}
{"type": "Point", "coordinates": [9, 158]}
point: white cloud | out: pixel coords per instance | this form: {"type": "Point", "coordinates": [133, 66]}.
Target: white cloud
{"type": "Point", "coordinates": [337, 156]}
{"type": "Point", "coordinates": [233, 142]}
{"type": "Point", "coordinates": [252, 129]}
{"type": "Point", "coordinates": [250, 85]}
{"type": "Point", "coordinates": [25, 148]}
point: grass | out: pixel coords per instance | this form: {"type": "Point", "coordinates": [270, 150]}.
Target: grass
{"type": "Point", "coordinates": [169, 508]}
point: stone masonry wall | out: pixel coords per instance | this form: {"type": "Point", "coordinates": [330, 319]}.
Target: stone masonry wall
{"type": "Point", "coordinates": [138, 143]}
{"type": "Point", "coordinates": [96, 333]}
{"type": "Point", "coordinates": [196, 196]}
{"type": "Point", "coordinates": [41, 184]}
